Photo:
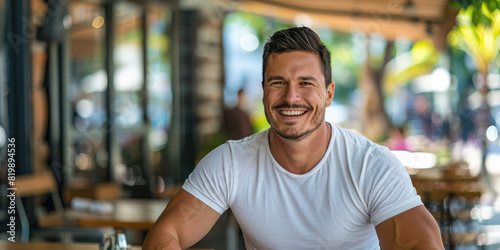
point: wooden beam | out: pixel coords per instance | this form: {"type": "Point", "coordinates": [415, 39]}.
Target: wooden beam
{"type": "Point", "coordinates": [390, 23]}
{"type": "Point", "coordinates": [448, 21]}
{"type": "Point", "coordinates": [383, 24]}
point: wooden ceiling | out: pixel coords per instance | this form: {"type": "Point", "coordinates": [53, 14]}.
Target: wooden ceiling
{"type": "Point", "coordinates": [410, 19]}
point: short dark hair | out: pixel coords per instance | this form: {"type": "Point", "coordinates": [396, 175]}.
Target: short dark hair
{"type": "Point", "coordinates": [298, 39]}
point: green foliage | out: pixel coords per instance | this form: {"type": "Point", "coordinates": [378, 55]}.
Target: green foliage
{"type": "Point", "coordinates": [478, 32]}
{"type": "Point", "coordinates": [480, 9]}
{"type": "Point", "coordinates": [420, 60]}
{"type": "Point", "coordinates": [213, 142]}
{"type": "Point", "coordinates": [258, 119]}
{"type": "Point", "coordinates": [345, 67]}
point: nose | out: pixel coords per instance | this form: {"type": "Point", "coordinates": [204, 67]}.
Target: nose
{"type": "Point", "coordinates": [291, 94]}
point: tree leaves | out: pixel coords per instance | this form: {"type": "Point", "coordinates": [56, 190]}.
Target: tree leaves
{"type": "Point", "coordinates": [477, 32]}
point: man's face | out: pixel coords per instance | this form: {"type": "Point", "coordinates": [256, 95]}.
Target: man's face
{"type": "Point", "coordinates": [295, 97]}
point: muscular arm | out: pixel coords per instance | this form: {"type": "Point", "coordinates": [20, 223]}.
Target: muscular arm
{"type": "Point", "coordinates": [184, 222]}
{"type": "Point", "coordinates": [413, 229]}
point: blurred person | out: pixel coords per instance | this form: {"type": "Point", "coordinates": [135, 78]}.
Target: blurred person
{"type": "Point", "coordinates": [237, 121]}
{"type": "Point", "coordinates": [304, 183]}
{"type": "Point", "coordinates": [397, 140]}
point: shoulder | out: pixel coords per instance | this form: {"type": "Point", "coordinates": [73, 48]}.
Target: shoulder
{"type": "Point", "coordinates": [350, 138]}
{"type": "Point", "coordinates": [360, 149]}
{"type": "Point", "coordinates": [249, 143]}
{"type": "Point", "coordinates": [235, 149]}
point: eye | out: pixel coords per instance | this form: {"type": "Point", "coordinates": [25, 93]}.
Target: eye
{"type": "Point", "coordinates": [306, 83]}
{"type": "Point", "coordinates": [278, 83]}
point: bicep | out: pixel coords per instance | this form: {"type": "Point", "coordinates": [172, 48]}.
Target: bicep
{"type": "Point", "coordinates": [412, 229]}
{"type": "Point", "coordinates": [186, 218]}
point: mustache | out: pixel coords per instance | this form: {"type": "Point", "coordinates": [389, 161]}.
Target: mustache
{"type": "Point", "coordinates": [288, 105]}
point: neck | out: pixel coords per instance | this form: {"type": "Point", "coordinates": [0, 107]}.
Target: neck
{"type": "Point", "coordinates": [299, 157]}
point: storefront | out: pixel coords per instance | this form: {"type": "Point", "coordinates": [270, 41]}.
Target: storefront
{"type": "Point", "coordinates": [105, 91]}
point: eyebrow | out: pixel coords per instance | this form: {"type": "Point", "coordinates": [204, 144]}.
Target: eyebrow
{"type": "Point", "coordinates": [272, 78]}
{"type": "Point", "coordinates": [302, 78]}
{"type": "Point", "coordinates": [308, 78]}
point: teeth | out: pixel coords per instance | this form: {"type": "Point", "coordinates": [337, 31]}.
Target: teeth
{"type": "Point", "coordinates": [292, 112]}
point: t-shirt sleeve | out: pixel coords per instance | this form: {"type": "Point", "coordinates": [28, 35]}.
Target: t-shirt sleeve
{"type": "Point", "coordinates": [387, 186]}
{"type": "Point", "coordinates": [209, 181]}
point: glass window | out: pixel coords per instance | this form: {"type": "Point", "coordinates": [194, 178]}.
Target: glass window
{"type": "Point", "coordinates": [129, 84]}
{"type": "Point", "coordinates": [158, 86]}
{"type": "Point", "coordinates": [159, 91]}
{"type": "Point", "coordinates": [128, 59]}
{"type": "Point", "coordinates": [136, 159]}
{"type": "Point", "coordinates": [88, 83]}
{"type": "Point", "coordinates": [88, 74]}
{"type": "Point", "coordinates": [130, 106]}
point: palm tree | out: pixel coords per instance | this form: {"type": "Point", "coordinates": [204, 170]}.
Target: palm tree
{"type": "Point", "coordinates": [477, 34]}
{"type": "Point", "coordinates": [377, 82]}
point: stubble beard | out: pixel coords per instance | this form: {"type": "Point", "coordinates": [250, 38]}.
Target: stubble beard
{"type": "Point", "coordinates": [295, 135]}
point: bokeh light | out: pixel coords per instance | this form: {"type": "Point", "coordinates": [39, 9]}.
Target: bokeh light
{"type": "Point", "coordinates": [482, 213]}
{"type": "Point", "coordinates": [492, 133]}
{"type": "Point", "coordinates": [85, 108]}
{"type": "Point", "coordinates": [98, 22]}
{"type": "Point", "coordinates": [491, 164]}
{"type": "Point", "coordinates": [3, 136]}
{"type": "Point", "coordinates": [421, 104]}
{"type": "Point", "coordinates": [249, 42]}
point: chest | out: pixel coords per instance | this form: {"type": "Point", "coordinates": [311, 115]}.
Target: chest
{"type": "Point", "coordinates": [323, 211]}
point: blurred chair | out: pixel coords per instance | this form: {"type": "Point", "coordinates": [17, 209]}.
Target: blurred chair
{"type": "Point", "coordinates": [50, 225]}
{"type": "Point", "coordinates": [450, 193]}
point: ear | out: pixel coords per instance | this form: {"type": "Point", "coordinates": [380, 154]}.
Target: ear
{"type": "Point", "coordinates": [330, 90]}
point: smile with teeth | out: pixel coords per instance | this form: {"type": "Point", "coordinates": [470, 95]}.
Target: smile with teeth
{"type": "Point", "coordinates": [292, 113]}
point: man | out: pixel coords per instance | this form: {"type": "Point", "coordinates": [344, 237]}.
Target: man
{"type": "Point", "coordinates": [303, 183]}
{"type": "Point", "coordinates": [236, 120]}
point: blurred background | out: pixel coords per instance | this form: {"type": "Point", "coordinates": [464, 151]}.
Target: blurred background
{"type": "Point", "coordinates": [120, 99]}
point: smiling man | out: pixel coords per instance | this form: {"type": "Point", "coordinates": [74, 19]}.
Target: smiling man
{"type": "Point", "coordinates": [304, 183]}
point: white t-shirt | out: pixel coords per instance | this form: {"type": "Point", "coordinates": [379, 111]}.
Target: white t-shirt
{"type": "Point", "coordinates": [357, 185]}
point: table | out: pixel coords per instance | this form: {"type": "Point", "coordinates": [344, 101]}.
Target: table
{"type": "Point", "coordinates": [47, 246]}
{"type": "Point", "coordinates": [139, 214]}
{"type": "Point", "coordinates": [57, 246]}
{"type": "Point", "coordinates": [450, 192]}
